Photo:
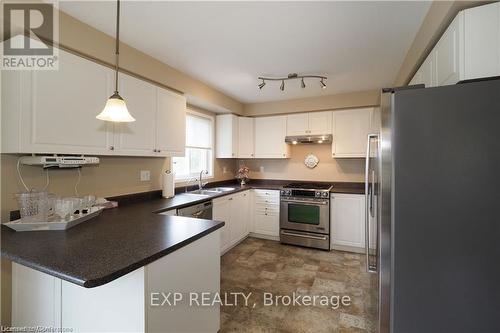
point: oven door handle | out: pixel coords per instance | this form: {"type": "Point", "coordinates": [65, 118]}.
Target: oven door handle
{"type": "Point", "coordinates": [314, 203]}
{"type": "Point", "coordinates": [303, 236]}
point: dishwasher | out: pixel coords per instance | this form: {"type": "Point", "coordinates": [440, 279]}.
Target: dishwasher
{"type": "Point", "coordinates": [200, 211]}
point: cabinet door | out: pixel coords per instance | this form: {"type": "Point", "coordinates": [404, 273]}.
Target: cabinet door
{"type": "Point", "coordinates": [270, 135]}
{"type": "Point", "coordinates": [447, 54]}
{"type": "Point", "coordinates": [350, 130]}
{"type": "Point", "coordinates": [320, 122]}
{"type": "Point", "coordinates": [226, 136]}
{"type": "Point", "coordinates": [171, 124]}
{"type": "Point", "coordinates": [238, 217]}
{"type": "Point", "coordinates": [427, 71]}
{"type": "Point", "coordinates": [221, 212]}
{"type": "Point", "coordinates": [245, 137]}
{"type": "Point", "coordinates": [482, 41]}
{"type": "Point", "coordinates": [348, 220]}
{"type": "Point", "coordinates": [138, 137]}
{"type": "Point", "coordinates": [59, 108]}
{"type": "Point", "coordinates": [297, 124]}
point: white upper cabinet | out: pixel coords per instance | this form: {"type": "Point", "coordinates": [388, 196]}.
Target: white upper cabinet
{"type": "Point", "coordinates": [320, 122]}
{"type": "Point", "coordinates": [226, 136]}
{"type": "Point", "coordinates": [482, 41]}
{"type": "Point", "coordinates": [138, 137]}
{"type": "Point", "coordinates": [447, 54]}
{"type": "Point", "coordinates": [425, 74]}
{"type": "Point", "coordinates": [297, 124]}
{"type": "Point", "coordinates": [270, 133]}
{"type": "Point", "coordinates": [245, 137]}
{"type": "Point", "coordinates": [309, 123]}
{"type": "Point", "coordinates": [171, 124]}
{"type": "Point", "coordinates": [55, 112]}
{"type": "Point", "coordinates": [468, 49]}
{"type": "Point", "coordinates": [350, 131]}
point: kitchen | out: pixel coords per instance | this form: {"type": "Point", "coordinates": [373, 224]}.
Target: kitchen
{"type": "Point", "coordinates": [274, 160]}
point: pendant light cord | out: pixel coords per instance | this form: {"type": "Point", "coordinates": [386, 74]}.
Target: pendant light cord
{"type": "Point", "coordinates": [117, 46]}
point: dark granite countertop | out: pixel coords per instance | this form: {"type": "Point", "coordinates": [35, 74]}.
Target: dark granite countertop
{"type": "Point", "coordinates": [123, 239]}
{"type": "Point", "coordinates": [115, 243]}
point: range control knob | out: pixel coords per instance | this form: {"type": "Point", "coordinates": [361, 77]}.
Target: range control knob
{"type": "Point", "coordinates": [324, 194]}
{"type": "Point", "coordinates": [317, 194]}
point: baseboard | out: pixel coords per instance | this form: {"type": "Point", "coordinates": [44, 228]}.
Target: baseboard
{"type": "Point", "coordinates": [348, 248]}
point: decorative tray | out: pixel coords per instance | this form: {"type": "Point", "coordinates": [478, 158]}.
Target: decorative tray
{"type": "Point", "coordinates": [17, 225]}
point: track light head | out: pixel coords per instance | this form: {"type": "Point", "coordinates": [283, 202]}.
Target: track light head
{"type": "Point", "coordinates": [323, 84]}
{"type": "Point", "coordinates": [262, 84]}
{"type": "Point", "coordinates": [302, 84]}
{"type": "Point", "coordinates": [282, 87]}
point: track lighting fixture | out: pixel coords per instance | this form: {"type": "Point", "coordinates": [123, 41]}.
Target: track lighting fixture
{"type": "Point", "coordinates": [323, 84]}
{"type": "Point", "coordinates": [292, 76]}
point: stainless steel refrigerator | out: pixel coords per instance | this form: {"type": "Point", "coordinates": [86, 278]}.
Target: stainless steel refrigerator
{"type": "Point", "coordinates": [433, 209]}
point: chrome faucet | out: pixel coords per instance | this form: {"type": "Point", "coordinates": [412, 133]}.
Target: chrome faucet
{"type": "Point", "coordinates": [200, 184]}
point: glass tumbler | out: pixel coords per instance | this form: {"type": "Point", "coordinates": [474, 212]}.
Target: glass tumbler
{"type": "Point", "coordinates": [33, 206]}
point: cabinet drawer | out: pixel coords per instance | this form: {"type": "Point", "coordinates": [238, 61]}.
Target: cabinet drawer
{"type": "Point", "coordinates": [267, 211]}
{"type": "Point", "coordinates": [266, 206]}
{"type": "Point", "coordinates": [267, 201]}
{"type": "Point", "coordinates": [267, 194]}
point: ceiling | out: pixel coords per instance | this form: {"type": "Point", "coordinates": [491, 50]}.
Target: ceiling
{"type": "Point", "coordinates": [358, 45]}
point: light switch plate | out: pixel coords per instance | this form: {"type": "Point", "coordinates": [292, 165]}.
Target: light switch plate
{"type": "Point", "coordinates": [145, 175]}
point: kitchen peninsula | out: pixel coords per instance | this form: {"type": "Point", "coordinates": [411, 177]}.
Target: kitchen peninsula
{"type": "Point", "coordinates": [99, 276]}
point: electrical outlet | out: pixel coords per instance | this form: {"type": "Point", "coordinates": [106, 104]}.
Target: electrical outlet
{"type": "Point", "coordinates": [261, 168]}
{"type": "Point", "coordinates": [145, 175]}
{"type": "Point", "coordinates": [224, 169]}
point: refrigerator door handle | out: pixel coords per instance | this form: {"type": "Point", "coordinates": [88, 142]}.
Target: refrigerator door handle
{"type": "Point", "coordinates": [368, 202]}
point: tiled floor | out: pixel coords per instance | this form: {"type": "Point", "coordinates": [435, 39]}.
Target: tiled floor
{"type": "Point", "coordinates": [259, 266]}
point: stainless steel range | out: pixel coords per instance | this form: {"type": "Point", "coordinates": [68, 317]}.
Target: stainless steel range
{"type": "Point", "coordinates": [305, 215]}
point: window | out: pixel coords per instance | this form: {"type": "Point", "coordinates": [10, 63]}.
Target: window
{"type": "Point", "coordinates": [199, 148]}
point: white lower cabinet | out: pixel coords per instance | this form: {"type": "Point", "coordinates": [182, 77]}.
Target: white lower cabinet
{"type": "Point", "coordinates": [347, 218]}
{"type": "Point", "coordinates": [129, 303]}
{"type": "Point", "coordinates": [266, 213]}
{"type": "Point", "coordinates": [234, 211]}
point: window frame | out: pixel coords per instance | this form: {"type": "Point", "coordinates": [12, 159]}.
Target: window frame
{"type": "Point", "coordinates": [210, 175]}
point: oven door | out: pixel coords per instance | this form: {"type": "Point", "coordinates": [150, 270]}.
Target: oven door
{"type": "Point", "coordinates": [312, 215]}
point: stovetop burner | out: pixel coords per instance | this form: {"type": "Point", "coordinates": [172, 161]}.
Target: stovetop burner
{"type": "Point", "coordinates": [309, 186]}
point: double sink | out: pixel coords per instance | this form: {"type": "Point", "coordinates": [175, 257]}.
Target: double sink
{"type": "Point", "coordinates": [211, 191]}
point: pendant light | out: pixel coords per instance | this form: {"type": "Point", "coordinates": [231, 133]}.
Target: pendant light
{"type": "Point", "coordinates": [115, 109]}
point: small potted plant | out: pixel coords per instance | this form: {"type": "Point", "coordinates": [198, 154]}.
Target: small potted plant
{"type": "Point", "coordinates": [242, 174]}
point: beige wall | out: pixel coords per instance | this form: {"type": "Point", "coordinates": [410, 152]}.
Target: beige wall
{"type": "Point", "coordinates": [329, 102]}
{"type": "Point", "coordinates": [328, 169]}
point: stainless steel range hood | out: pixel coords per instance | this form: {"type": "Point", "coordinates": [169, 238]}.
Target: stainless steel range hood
{"type": "Point", "coordinates": [302, 139]}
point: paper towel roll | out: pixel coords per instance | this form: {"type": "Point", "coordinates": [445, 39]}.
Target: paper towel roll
{"type": "Point", "coordinates": [168, 184]}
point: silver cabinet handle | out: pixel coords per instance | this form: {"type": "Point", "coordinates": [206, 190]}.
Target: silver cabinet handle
{"type": "Point", "coordinates": [111, 148]}
{"type": "Point", "coordinates": [303, 236]}
{"type": "Point", "coordinates": [368, 199]}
